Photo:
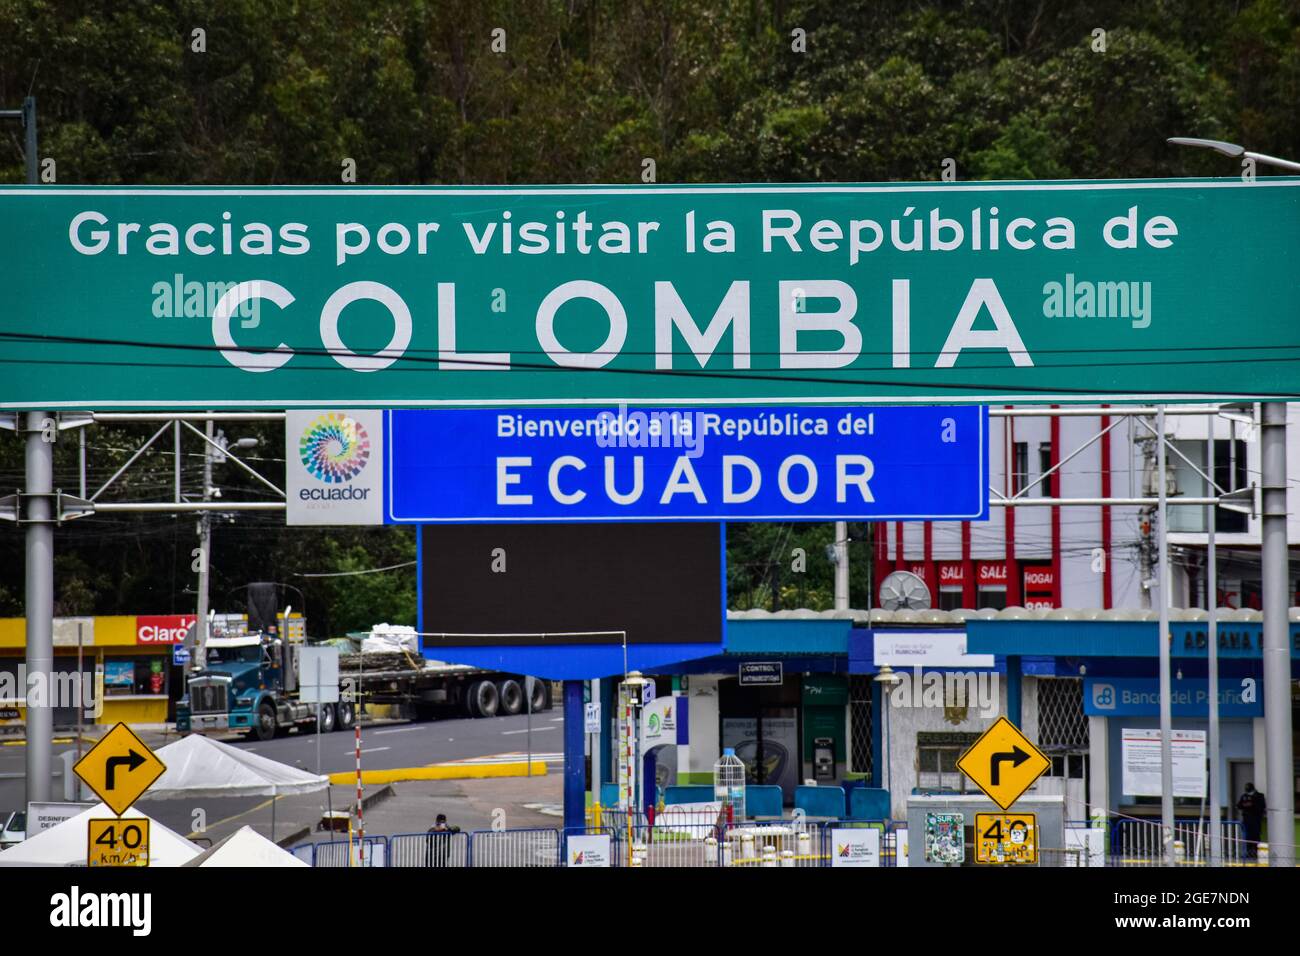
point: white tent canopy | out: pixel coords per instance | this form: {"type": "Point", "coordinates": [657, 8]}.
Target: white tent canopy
{"type": "Point", "coordinates": [65, 843]}
{"type": "Point", "coordinates": [245, 847]}
{"type": "Point", "coordinates": [198, 766]}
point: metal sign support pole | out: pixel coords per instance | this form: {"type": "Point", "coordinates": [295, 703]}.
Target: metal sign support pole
{"type": "Point", "coordinates": [1166, 689]}
{"type": "Point", "coordinates": [318, 712]}
{"type": "Point", "coordinates": [39, 597]}
{"type": "Point", "coordinates": [1280, 767]}
{"type": "Point", "coordinates": [1212, 650]}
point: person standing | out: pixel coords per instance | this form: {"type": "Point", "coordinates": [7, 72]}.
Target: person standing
{"type": "Point", "coordinates": [438, 842]}
{"type": "Point", "coordinates": [1252, 807]}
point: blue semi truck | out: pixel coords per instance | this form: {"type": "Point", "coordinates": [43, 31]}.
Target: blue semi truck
{"type": "Point", "coordinates": [249, 684]}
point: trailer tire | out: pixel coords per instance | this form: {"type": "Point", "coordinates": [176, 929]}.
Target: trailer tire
{"type": "Point", "coordinates": [541, 700]}
{"type": "Point", "coordinates": [265, 728]}
{"type": "Point", "coordinates": [511, 697]}
{"type": "Point", "coordinates": [326, 718]}
{"type": "Point", "coordinates": [483, 699]}
{"type": "Point", "coordinates": [345, 715]}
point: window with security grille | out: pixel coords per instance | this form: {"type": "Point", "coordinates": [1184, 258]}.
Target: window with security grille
{"type": "Point", "coordinates": [936, 761]}
{"type": "Point", "coordinates": [1062, 724]}
{"type": "Point", "coordinates": [860, 751]}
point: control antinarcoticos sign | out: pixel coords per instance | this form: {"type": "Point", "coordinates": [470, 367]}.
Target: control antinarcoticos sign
{"type": "Point", "coordinates": [370, 297]}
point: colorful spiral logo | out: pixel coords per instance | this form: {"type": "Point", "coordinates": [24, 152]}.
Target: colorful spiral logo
{"type": "Point", "coordinates": [334, 448]}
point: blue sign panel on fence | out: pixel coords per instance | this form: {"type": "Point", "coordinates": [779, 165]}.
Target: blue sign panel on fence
{"type": "Point", "coordinates": [897, 463]}
{"type": "Point", "coordinates": [1140, 697]}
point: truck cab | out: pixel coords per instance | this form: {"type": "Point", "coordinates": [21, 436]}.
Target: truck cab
{"type": "Point", "coordinates": [224, 695]}
{"type": "Point", "coordinates": [249, 683]}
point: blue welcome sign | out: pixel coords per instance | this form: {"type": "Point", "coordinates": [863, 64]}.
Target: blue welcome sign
{"type": "Point", "coordinates": [763, 463]}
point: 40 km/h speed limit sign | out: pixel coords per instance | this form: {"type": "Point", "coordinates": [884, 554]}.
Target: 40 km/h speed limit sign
{"type": "Point", "coordinates": [118, 842]}
{"type": "Point", "coordinates": [1006, 838]}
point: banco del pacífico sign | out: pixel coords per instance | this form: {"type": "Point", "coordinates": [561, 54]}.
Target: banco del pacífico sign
{"type": "Point", "coordinates": [374, 297]}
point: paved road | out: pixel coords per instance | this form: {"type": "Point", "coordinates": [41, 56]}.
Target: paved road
{"type": "Point", "coordinates": [414, 744]}
{"type": "Point", "coordinates": [384, 746]}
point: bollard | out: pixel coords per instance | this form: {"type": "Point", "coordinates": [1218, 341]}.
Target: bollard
{"type": "Point", "coordinates": [1180, 851]}
{"type": "Point", "coordinates": [711, 851]}
{"type": "Point", "coordinates": [1262, 859]}
{"type": "Point", "coordinates": [787, 857]}
{"type": "Point", "coordinates": [769, 856]}
{"type": "Point", "coordinates": [639, 854]}
{"type": "Point", "coordinates": [746, 849]}
{"type": "Point", "coordinates": [805, 844]}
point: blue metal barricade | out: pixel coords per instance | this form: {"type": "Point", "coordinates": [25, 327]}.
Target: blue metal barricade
{"type": "Point", "coordinates": [534, 847]}
{"type": "Point", "coordinates": [342, 853]}
{"type": "Point", "coordinates": [443, 848]}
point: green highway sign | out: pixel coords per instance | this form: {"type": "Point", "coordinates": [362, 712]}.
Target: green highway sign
{"type": "Point", "coordinates": [174, 298]}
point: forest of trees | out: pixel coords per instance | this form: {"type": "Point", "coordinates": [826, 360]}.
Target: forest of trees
{"type": "Point", "coordinates": [585, 91]}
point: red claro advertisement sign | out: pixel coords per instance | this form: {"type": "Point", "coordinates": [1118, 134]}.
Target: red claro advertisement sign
{"type": "Point", "coordinates": [162, 628]}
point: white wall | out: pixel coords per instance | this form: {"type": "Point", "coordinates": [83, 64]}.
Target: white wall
{"type": "Point", "coordinates": [703, 714]}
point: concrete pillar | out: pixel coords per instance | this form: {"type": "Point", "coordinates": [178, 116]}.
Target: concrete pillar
{"type": "Point", "coordinates": [1098, 763]}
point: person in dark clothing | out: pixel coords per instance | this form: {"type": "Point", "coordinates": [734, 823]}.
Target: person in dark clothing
{"type": "Point", "coordinates": [1252, 806]}
{"type": "Point", "coordinates": [437, 848]}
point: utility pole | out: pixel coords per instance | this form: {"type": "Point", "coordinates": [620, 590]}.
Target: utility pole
{"type": "Point", "coordinates": [841, 565]}
{"type": "Point", "coordinates": [199, 657]}
{"type": "Point", "coordinates": [1277, 649]}
{"type": "Point", "coordinates": [1146, 550]}
{"type": "Point", "coordinates": [38, 513]}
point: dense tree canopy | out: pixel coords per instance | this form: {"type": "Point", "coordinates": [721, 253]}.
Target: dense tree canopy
{"type": "Point", "coordinates": [419, 91]}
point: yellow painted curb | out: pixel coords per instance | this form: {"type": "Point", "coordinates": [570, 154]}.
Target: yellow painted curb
{"type": "Point", "coordinates": [444, 771]}
{"type": "Point", "coordinates": [56, 740]}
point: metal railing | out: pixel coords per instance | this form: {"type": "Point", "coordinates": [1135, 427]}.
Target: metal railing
{"type": "Point", "coordinates": [681, 840]}
{"type": "Point", "coordinates": [342, 853]}
{"type": "Point", "coordinates": [1135, 842]}
{"type": "Point", "coordinates": [529, 848]}
{"type": "Point", "coordinates": [438, 849]}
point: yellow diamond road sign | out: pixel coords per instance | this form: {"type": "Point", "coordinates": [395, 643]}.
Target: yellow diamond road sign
{"type": "Point", "coordinates": [119, 768]}
{"type": "Point", "coordinates": [1003, 763]}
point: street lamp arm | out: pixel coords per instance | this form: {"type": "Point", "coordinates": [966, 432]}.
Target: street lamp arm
{"type": "Point", "coordinates": [1233, 151]}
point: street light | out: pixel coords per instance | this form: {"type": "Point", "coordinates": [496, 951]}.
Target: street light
{"type": "Point", "coordinates": [887, 680]}
{"type": "Point", "coordinates": [1233, 151]}
{"type": "Point", "coordinates": [1274, 560]}
{"type": "Point", "coordinates": [214, 452]}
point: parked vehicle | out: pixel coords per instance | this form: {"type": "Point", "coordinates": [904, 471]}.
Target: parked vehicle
{"type": "Point", "coordinates": [14, 829]}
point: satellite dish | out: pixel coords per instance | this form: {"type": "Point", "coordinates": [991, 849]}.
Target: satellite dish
{"type": "Point", "coordinates": [904, 591]}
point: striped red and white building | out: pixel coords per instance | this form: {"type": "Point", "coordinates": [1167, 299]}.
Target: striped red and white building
{"type": "Point", "coordinates": [1092, 556]}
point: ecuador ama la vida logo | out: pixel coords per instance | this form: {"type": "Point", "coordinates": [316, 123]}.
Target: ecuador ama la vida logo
{"type": "Point", "coordinates": [334, 448]}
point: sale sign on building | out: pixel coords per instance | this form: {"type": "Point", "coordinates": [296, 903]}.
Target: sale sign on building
{"type": "Point", "coordinates": [162, 629]}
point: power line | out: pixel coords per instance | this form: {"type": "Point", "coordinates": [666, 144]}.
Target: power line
{"type": "Point", "coordinates": [347, 574]}
{"type": "Point", "coordinates": [849, 377]}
